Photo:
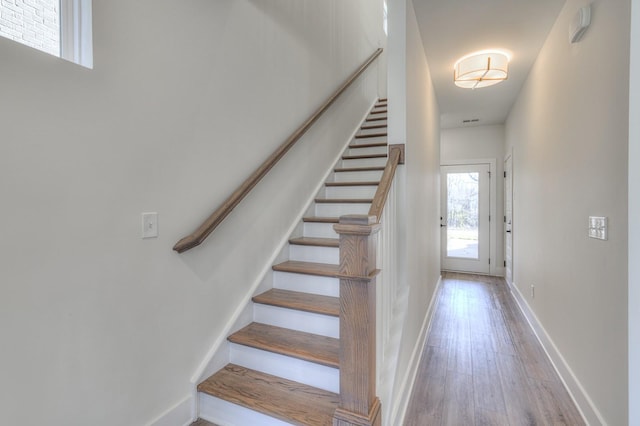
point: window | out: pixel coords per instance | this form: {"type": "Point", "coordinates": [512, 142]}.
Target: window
{"type": "Point", "coordinates": [58, 27]}
{"type": "Point", "coordinates": [385, 18]}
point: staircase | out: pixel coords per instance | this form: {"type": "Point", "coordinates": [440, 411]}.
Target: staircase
{"type": "Point", "coordinates": [285, 364]}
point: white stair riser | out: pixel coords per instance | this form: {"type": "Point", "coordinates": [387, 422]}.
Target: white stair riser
{"type": "Point", "coordinates": [319, 230]}
{"type": "Point", "coordinates": [374, 123]}
{"type": "Point", "coordinates": [325, 286]}
{"type": "Point", "coordinates": [368, 150]}
{"type": "Point", "coordinates": [374, 139]}
{"type": "Point", "coordinates": [308, 373]}
{"type": "Point", "coordinates": [350, 191]}
{"type": "Point", "coordinates": [224, 413]}
{"type": "Point", "coordinates": [377, 112]}
{"type": "Point", "coordinates": [358, 176]}
{"type": "Point", "coordinates": [308, 322]}
{"type": "Point", "coordinates": [314, 254]}
{"type": "Point", "coordinates": [339, 209]}
{"type": "Point", "coordinates": [365, 162]}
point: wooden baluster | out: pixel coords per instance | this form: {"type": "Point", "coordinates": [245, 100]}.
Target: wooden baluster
{"type": "Point", "coordinates": [359, 404]}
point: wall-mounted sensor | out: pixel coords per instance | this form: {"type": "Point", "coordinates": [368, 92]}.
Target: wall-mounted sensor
{"type": "Point", "coordinates": [579, 24]}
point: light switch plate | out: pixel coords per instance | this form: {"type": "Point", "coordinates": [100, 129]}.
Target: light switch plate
{"type": "Point", "coordinates": [149, 225]}
{"type": "Point", "coordinates": [598, 227]}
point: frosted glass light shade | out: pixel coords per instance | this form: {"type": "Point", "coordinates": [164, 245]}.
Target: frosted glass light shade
{"type": "Point", "coordinates": [481, 70]}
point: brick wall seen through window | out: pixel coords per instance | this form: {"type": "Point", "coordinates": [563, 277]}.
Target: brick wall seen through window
{"type": "Point", "coordinates": [35, 23]}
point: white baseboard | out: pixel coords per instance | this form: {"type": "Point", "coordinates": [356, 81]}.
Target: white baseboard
{"type": "Point", "coordinates": [179, 415]}
{"type": "Point", "coordinates": [401, 403]}
{"type": "Point", "coordinates": [585, 405]}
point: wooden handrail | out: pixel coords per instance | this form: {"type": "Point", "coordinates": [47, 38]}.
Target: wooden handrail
{"type": "Point", "coordinates": [396, 156]}
{"type": "Point", "coordinates": [359, 404]}
{"type": "Point", "coordinates": [202, 232]}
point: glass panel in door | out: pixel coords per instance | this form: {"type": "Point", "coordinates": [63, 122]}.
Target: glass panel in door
{"type": "Point", "coordinates": [465, 218]}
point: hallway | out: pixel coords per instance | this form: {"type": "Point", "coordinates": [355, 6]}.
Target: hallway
{"type": "Point", "coordinates": [482, 364]}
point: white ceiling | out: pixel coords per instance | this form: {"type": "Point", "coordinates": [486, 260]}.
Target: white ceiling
{"type": "Point", "coordinates": [451, 29]}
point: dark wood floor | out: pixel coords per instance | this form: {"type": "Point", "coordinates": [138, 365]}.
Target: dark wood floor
{"type": "Point", "coordinates": [482, 364]}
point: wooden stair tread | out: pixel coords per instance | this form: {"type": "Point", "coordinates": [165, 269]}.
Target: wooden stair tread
{"type": "Point", "coordinates": [371, 135]}
{"type": "Point", "coordinates": [372, 126]}
{"type": "Point", "coordinates": [364, 156]}
{"type": "Point", "coordinates": [308, 268]}
{"type": "Point", "coordinates": [359, 169]}
{"type": "Point", "coordinates": [316, 242]}
{"type": "Point", "coordinates": [375, 118]}
{"type": "Point", "coordinates": [314, 348]}
{"type": "Point", "coordinates": [371, 183]}
{"type": "Point", "coordinates": [367, 145]}
{"type": "Point", "coordinates": [306, 302]}
{"type": "Point", "coordinates": [382, 111]}
{"type": "Point", "coordinates": [284, 399]}
{"type": "Point", "coordinates": [317, 219]}
{"type": "Point", "coordinates": [344, 200]}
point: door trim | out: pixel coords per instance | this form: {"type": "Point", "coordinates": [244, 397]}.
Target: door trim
{"type": "Point", "coordinates": [495, 262]}
{"type": "Point", "coordinates": [508, 157]}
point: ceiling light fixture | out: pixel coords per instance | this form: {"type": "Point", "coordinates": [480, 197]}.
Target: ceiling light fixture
{"type": "Point", "coordinates": [481, 69]}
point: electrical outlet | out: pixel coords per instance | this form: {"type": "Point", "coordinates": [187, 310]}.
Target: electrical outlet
{"type": "Point", "coordinates": [533, 291]}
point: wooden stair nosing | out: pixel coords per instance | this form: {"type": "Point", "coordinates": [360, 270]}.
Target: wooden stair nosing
{"type": "Point", "coordinates": [358, 169]}
{"type": "Point", "coordinates": [344, 200]}
{"type": "Point", "coordinates": [372, 126]}
{"type": "Point", "coordinates": [375, 118]}
{"type": "Point", "coordinates": [308, 268]}
{"type": "Point", "coordinates": [382, 111]}
{"type": "Point", "coordinates": [283, 399]}
{"type": "Point", "coordinates": [382, 99]}
{"type": "Point", "coordinates": [368, 145]}
{"type": "Point", "coordinates": [309, 347]}
{"type": "Point", "coordinates": [366, 183]}
{"type": "Point", "coordinates": [316, 242]}
{"type": "Point", "coordinates": [306, 302]}
{"type": "Point", "coordinates": [371, 135]}
{"type": "Point", "coordinates": [318, 219]}
{"type": "Point", "coordinates": [364, 156]}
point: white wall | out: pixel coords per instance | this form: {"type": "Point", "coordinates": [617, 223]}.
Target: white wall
{"type": "Point", "coordinates": [396, 68]}
{"type": "Point", "coordinates": [569, 133]}
{"type": "Point", "coordinates": [482, 142]}
{"type": "Point", "coordinates": [634, 226]}
{"type": "Point", "coordinates": [98, 326]}
{"type": "Point", "coordinates": [420, 215]}
{"type": "Point", "coordinates": [423, 182]}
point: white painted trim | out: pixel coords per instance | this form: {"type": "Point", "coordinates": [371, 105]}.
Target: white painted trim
{"type": "Point", "coordinates": [179, 414]}
{"type": "Point", "coordinates": [583, 402]}
{"type": "Point", "coordinates": [493, 189]}
{"type": "Point", "coordinates": [508, 156]}
{"type": "Point", "coordinates": [406, 388]}
{"type": "Point", "coordinates": [197, 375]}
{"type": "Point", "coordinates": [76, 32]}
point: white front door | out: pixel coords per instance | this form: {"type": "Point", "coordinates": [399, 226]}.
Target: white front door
{"type": "Point", "coordinates": [465, 218]}
{"type": "Point", "coordinates": [508, 219]}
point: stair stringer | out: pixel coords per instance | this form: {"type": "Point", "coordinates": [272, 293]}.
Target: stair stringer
{"type": "Point", "coordinates": [218, 354]}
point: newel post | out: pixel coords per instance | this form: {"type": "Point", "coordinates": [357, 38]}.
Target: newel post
{"type": "Point", "coordinates": [359, 404]}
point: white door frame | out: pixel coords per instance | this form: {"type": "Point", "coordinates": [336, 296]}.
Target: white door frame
{"type": "Point", "coordinates": [508, 225]}
{"type": "Point", "coordinates": [493, 266]}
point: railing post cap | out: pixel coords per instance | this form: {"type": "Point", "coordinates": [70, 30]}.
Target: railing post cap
{"type": "Point", "coordinates": [358, 219]}
{"type": "Point", "coordinates": [357, 224]}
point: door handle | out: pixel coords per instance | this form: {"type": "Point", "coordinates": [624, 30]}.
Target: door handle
{"type": "Point", "coordinates": [442, 226]}
{"type": "Point", "coordinates": [509, 231]}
